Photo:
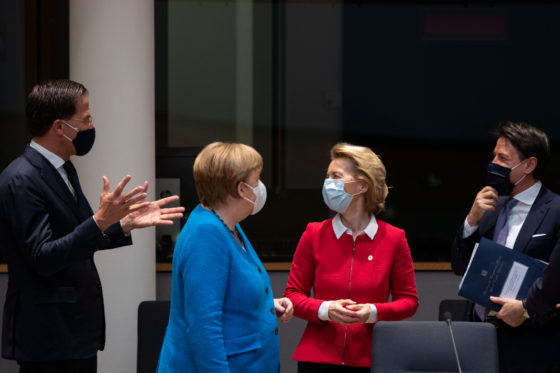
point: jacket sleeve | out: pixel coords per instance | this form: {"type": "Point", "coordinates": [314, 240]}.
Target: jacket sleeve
{"type": "Point", "coordinates": [116, 237]}
{"type": "Point", "coordinates": [403, 286]}
{"type": "Point", "coordinates": [301, 279]}
{"type": "Point", "coordinates": [205, 276]}
{"type": "Point", "coordinates": [30, 224]}
{"type": "Point", "coordinates": [545, 293]}
{"type": "Point", "coordinates": [461, 251]}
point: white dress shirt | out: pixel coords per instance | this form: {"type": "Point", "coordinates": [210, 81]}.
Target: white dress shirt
{"type": "Point", "coordinates": [339, 229]}
{"type": "Point", "coordinates": [516, 216]}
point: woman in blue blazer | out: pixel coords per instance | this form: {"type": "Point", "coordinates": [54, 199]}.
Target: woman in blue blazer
{"type": "Point", "coordinates": [223, 315]}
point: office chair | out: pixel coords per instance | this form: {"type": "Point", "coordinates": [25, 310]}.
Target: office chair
{"type": "Point", "coordinates": [152, 322]}
{"type": "Point", "coordinates": [426, 346]}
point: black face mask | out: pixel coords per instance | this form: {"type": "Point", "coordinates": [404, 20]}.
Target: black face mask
{"type": "Point", "coordinates": [84, 140]}
{"type": "Point", "coordinates": [498, 178]}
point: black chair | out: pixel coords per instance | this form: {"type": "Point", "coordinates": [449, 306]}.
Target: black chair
{"type": "Point", "coordinates": [460, 309]}
{"type": "Point", "coordinates": [426, 346]}
{"type": "Point", "coordinates": [152, 322]}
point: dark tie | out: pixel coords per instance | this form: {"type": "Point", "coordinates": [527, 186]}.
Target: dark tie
{"type": "Point", "coordinates": [80, 198]}
{"type": "Point", "coordinates": [501, 231]}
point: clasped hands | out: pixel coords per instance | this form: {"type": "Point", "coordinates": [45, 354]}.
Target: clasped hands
{"type": "Point", "coordinates": [132, 209]}
{"type": "Point", "coordinates": [347, 312]}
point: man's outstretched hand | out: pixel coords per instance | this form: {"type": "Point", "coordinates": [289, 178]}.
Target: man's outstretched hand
{"type": "Point", "coordinates": [149, 214]}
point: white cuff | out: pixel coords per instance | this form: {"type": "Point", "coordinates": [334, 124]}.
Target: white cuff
{"type": "Point", "coordinates": [324, 311]}
{"type": "Point", "coordinates": [468, 230]}
{"type": "Point", "coordinates": [372, 314]}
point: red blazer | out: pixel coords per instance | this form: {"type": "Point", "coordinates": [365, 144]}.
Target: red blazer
{"type": "Point", "coordinates": [336, 270]}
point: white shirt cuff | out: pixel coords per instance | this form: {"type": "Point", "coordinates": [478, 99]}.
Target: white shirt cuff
{"type": "Point", "coordinates": [324, 311]}
{"type": "Point", "coordinates": [372, 314]}
{"type": "Point", "coordinates": [468, 230]}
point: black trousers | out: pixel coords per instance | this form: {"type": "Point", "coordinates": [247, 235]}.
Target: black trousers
{"type": "Point", "coordinates": [88, 365]}
{"type": "Point", "coordinates": [305, 367]}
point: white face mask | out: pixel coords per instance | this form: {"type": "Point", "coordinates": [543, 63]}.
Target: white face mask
{"type": "Point", "coordinates": [260, 194]}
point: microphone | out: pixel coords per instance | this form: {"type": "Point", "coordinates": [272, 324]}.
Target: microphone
{"type": "Point", "coordinates": [447, 317]}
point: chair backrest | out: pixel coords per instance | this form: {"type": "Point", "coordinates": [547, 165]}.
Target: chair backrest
{"type": "Point", "coordinates": [426, 346]}
{"type": "Point", "coordinates": [152, 322]}
{"type": "Point", "coordinates": [460, 309]}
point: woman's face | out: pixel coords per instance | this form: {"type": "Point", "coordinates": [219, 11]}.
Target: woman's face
{"type": "Point", "coordinates": [342, 168]}
{"type": "Point", "coordinates": [244, 191]}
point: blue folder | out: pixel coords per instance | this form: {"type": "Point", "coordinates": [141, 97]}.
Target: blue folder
{"type": "Point", "coordinates": [499, 271]}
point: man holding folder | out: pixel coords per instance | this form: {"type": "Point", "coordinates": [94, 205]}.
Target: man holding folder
{"type": "Point", "coordinates": [517, 211]}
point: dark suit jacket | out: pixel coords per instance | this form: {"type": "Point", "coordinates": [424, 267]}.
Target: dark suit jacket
{"type": "Point", "coordinates": [54, 303]}
{"type": "Point", "coordinates": [541, 332]}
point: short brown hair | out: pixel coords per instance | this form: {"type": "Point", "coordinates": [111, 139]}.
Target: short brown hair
{"type": "Point", "coordinates": [51, 100]}
{"type": "Point", "coordinates": [219, 167]}
{"type": "Point", "coordinates": [369, 168]}
{"type": "Point", "coordinates": [529, 142]}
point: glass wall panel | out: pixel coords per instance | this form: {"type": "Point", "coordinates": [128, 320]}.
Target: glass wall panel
{"type": "Point", "coordinates": [423, 85]}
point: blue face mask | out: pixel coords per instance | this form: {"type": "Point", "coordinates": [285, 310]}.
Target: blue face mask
{"type": "Point", "coordinates": [335, 196]}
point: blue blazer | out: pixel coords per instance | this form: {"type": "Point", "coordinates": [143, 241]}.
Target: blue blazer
{"type": "Point", "coordinates": [222, 316]}
{"type": "Point", "coordinates": [54, 302]}
{"type": "Point", "coordinates": [532, 346]}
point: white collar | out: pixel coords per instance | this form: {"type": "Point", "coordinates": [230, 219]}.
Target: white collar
{"type": "Point", "coordinates": [54, 159]}
{"type": "Point", "coordinates": [339, 228]}
{"type": "Point", "coordinates": [529, 195]}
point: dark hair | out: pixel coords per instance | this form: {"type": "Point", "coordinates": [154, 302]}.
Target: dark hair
{"type": "Point", "coordinates": [51, 100]}
{"type": "Point", "coordinates": [529, 142]}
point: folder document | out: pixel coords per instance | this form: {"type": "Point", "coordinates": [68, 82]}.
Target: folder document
{"type": "Point", "coordinates": [499, 271]}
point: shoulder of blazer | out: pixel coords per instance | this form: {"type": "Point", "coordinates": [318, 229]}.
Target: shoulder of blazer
{"type": "Point", "coordinates": [390, 231]}
{"type": "Point", "coordinates": [546, 196]}
{"type": "Point", "coordinates": [50, 176]}
{"type": "Point", "coordinates": [35, 158]}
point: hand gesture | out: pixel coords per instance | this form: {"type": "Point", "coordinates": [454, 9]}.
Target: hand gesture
{"type": "Point", "coordinates": [284, 309]}
{"type": "Point", "coordinates": [150, 214]}
{"type": "Point", "coordinates": [361, 311]}
{"type": "Point", "coordinates": [113, 206]}
{"type": "Point", "coordinates": [340, 312]}
{"type": "Point", "coordinates": [485, 201]}
{"type": "Point", "coordinates": [511, 312]}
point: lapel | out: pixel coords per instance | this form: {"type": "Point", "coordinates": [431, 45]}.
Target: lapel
{"type": "Point", "coordinates": [251, 254]}
{"type": "Point", "coordinates": [534, 219]}
{"type": "Point", "coordinates": [52, 179]}
{"type": "Point", "coordinates": [486, 228]}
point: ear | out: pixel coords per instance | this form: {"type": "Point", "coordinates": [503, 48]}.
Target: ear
{"type": "Point", "coordinates": [364, 186]}
{"type": "Point", "coordinates": [56, 126]}
{"type": "Point", "coordinates": [240, 189]}
{"type": "Point", "coordinates": [531, 164]}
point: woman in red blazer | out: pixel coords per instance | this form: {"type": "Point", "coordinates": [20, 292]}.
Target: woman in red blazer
{"type": "Point", "coordinates": [353, 262]}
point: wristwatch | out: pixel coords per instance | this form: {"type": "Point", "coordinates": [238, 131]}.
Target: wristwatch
{"type": "Point", "coordinates": [525, 313]}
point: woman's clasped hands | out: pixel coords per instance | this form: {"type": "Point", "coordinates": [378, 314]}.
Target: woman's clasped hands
{"type": "Point", "coordinates": [347, 312]}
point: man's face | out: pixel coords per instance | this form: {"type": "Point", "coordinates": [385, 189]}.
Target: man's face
{"type": "Point", "coordinates": [81, 120]}
{"type": "Point", "coordinates": [505, 154]}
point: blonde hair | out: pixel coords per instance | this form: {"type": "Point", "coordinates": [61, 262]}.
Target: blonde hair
{"type": "Point", "coordinates": [219, 168]}
{"type": "Point", "coordinates": [369, 168]}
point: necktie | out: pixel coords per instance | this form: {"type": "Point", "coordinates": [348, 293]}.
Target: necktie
{"type": "Point", "coordinates": [501, 231]}
{"type": "Point", "coordinates": [80, 198]}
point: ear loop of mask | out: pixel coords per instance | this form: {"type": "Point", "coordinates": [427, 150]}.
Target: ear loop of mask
{"type": "Point", "coordinates": [74, 128]}
{"type": "Point", "coordinates": [513, 168]}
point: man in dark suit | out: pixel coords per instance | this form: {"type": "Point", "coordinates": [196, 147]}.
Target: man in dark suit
{"type": "Point", "coordinates": [53, 315]}
{"type": "Point", "coordinates": [516, 210]}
